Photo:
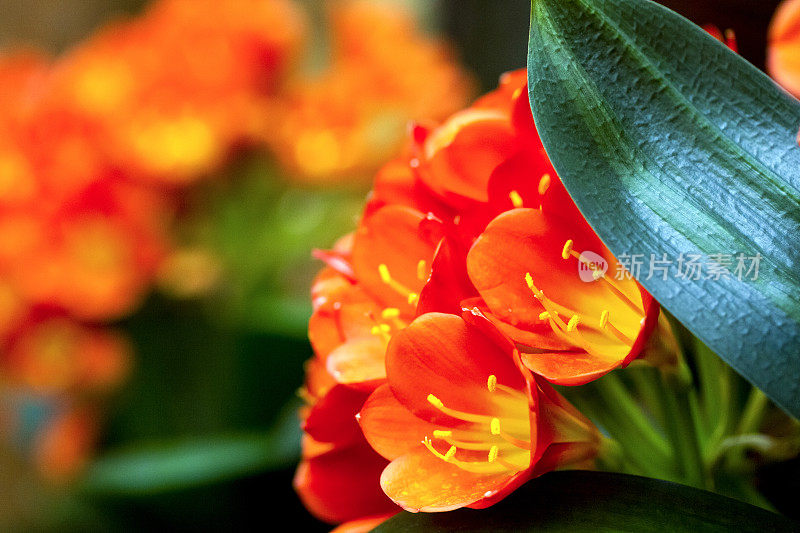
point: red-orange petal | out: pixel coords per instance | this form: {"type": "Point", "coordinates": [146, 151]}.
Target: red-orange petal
{"type": "Point", "coordinates": [343, 484]}
{"type": "Point", "coordinates": [359, 362]}
{"type": "Point", "coordinates": [441, 354]}
{"type": "Point", "coordinates": [419, 481]}
{"type": "Point", "coordinates": [449, 283]}
{"type": "Point", "coordinates": [389, 427]}
{"type": "Point", "coordinates": [395, 239]}
{"type": "Point", "coordinates": [333, 417]}
{"type": "Point", "coordinates": [462, 153]}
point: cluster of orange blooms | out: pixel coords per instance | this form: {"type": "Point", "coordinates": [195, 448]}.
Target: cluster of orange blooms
{"type": "Point", "coordinates": [96, 146]}
{"type": "Point", "coordinates": [441, 323]}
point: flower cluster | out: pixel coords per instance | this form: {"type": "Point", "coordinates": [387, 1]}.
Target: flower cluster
{"type": "Point", "coordinates": [90, 143]}
{"type": "Point", "coordinates": [441, 323]}
{"type": "Point", "coordinates": [347, 120]}
{"type": "Point", "coordinates": [98, 144]}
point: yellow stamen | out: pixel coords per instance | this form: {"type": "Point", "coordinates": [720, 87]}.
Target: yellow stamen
{"type": "Point", "coordinates": [493, 451]}
{"type": "Point", "coordinates": [492, 383]}
{"type": "Point", "coordinates": [618, 334]}
{"type": "Point", "coordinates": [390, 312]}
{"type": "Point", "coordinates": [567, 250]}
{"type": "Point", "coordinates": [573, 323]}
{"type": "Point", "coordinates": [383, 270]}
{"type": "Point", "coordinates": [450, 453]}
{"type": "Point", "coordinates": [386, 277]}
{"type": "Point", "coordinates": [544, 184]}
{"type": "Point", "coordinates": [442, 434]}
{"type": "Point", "coordinates": [516, 199]}
{"type": "Point", "coordinates": [495, 426]}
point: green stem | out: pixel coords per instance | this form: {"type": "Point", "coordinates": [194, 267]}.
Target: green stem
{"type": "Point", "coordinates": [754, 411]}
{"type": "Point", "coordinates": [620, 401]}
{"type": "Point", "coordinates": [680, 411]}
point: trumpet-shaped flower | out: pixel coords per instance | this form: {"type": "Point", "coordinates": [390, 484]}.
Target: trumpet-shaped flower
{"type": "Point", "coordinates": [578, 314]}
{"type": "Point", "coordinates": [462, 421]}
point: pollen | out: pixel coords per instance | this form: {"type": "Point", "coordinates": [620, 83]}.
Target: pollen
{"type": "Point", "coordinates": [495, 426]}
{"type": "Point", "coordinates": [567, 250]}
{"type": "Point", "coordinates": [544, 316]}
{"type": "Point", "coordinates": [442, 433]}
{"type": "Point", "coordinates": [436, 402]}
{"type": "Point", "coordinates": [573, 322]}
{"type": "Point", "coordinates": [544, 184]}
{"type": "Point", "coordinates": [390, 312]}
{"type": "Point", "coordinates": [491, 384]}
{"type": "Point", "coordinates": [450, 453]}
{"type": "Point", "coordinates": [493, 451]}
{"type": "Point", "coordinates": [413, 298]}
{"type": "Point", "coordinates": [516, 199]}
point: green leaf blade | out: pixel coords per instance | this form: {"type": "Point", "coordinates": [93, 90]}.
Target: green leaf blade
{"type": "Point", "coordinates": [671, 144]}
{"type": "Point", "coordinates": [578, 502]}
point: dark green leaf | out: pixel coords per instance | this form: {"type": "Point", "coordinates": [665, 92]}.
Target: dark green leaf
{"type": "Point", "coordinates": [597, 501]}
{"type": "Point", "coordinates": [672, 144]}
{"type": "Point", "coordinates": [158, 467]}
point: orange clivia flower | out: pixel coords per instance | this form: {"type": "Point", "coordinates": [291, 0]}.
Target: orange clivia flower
{"type": "Point", "coordinates": [526, 268]}
{"type": "Point", "coordinates": [463, 422]}
{"type": "Point", "coordinates": [783, 47]}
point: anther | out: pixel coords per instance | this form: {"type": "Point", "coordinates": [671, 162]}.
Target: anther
{"type": "Point", "coordinates": [495, 426]}
{"type": "Point", "coordinates": [567, 250]}
{"type": "Point", "coordinates": [436, 402]}
{"type": "Point", "coordinates": [493, 453]}
{"type": "Point", "coordinates": [516, 199]}
{"type": "Point", "coordinates": [544, 316]}
{"type": "Point", "coordinates": [413, 298]}
{"type": "Point", "coordinates": [544, 184]}
{"type": "Point", "coordinates": [442, 434]}
{"type": "Point", "coordinates": [390, 312]}
{"type": "Point", "coordinates": [383, 270]}
{"type": "Point", "coordinates": [491, 384]}
{"type": "Point", "coordinates": [573, 322]}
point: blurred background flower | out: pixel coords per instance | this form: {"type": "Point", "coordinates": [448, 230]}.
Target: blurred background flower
{"type": "Point", "coordinates": [166, 168]}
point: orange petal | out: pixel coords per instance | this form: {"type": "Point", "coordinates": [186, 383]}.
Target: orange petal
{"type": "Point", "coordinates": [440, 354]}
{"type": "Point", "coordinates": [419, 481]}
{"type": "Point", "coordinates": [389, 427]}
{"type": "Point", "coordinates": [362, 525]}
{"type": "Point", "coordinates": [462, 154]}
{"type": "Point", "coordinates": [393, 242]}
{"type": "Point", "coordinates": [569, 368]}
{"type": "Point", "coordinates": [359, 362]}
